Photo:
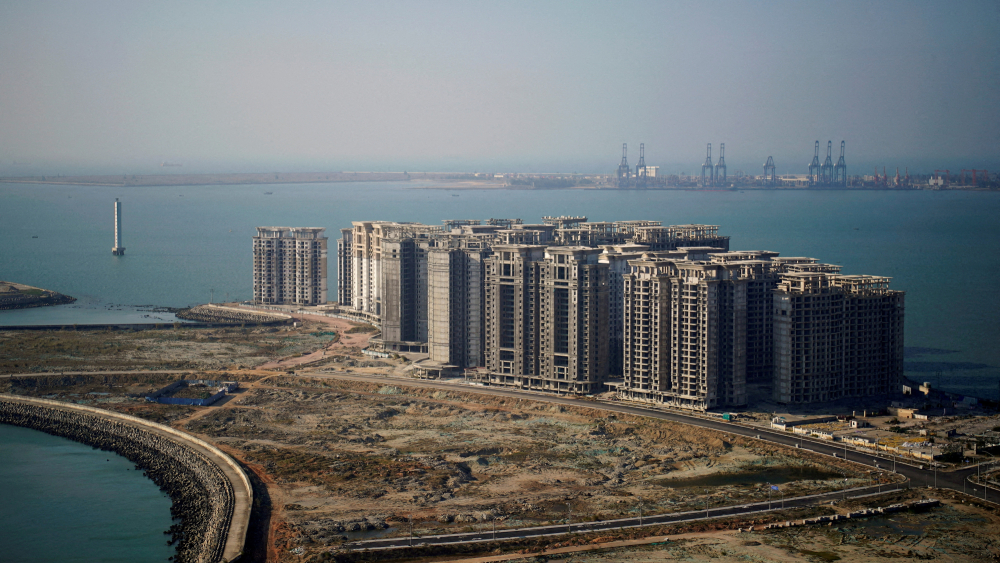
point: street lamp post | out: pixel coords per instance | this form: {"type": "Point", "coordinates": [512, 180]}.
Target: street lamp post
{"type": "Point", "coordinates": [640, 512]}
{"type": "Point", "coordinates": [569, 518]}
{"type": "Point", "coordinates": [769, 496]}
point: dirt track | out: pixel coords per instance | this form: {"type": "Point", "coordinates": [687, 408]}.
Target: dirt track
{"type": "Point", "coordinates": [346, 343]}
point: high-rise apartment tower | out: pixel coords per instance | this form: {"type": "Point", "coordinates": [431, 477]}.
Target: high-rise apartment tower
{"type": "Point", "coordinates": [289, 266]}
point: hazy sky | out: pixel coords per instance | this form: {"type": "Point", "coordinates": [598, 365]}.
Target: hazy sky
{"type": "Point", "coordinates": [253, 86]}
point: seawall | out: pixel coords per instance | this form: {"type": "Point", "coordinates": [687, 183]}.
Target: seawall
{"type": "Point", "coordinates": [210, 492]}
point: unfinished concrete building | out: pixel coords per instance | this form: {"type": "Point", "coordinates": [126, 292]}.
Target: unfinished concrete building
{"type": "Point", "coordinates": [685, 321]}
{"type": "Point", "coordinates": [419, 282]}
{"type": "Point", "coordinates": [685, 339]}
{"type": "Point", "coordinates": [388, 267]}
{"type": "Point", "coordinates": [761, 272]}
{"type": "Point", "coordinates": [617, 258]}
{"type": "Point", "coordinates": [547, 318]}
{"type": "Point", "coordinates": [289, 266]}
{"type": "Point", "coordinates": [455, 302]}
{"type": "Point", "coordinates": [677, 236]}
{"type": "Point", "coordinates": [836, 337]}
{"type": "Point", "coordinates": [512, 310]}
{"type": "Point", "coordinates": [345, 268]}
{"type": "Point", "coordinates": [573, 322]}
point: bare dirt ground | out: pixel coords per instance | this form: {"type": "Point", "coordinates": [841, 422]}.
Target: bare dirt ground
{"type": "Point", "coordinates": [351, 339]}
{"type": "Point", "coordinates": [343, 458]}
{"type": "Point", "coordinates": [353, 459]}
{"type": "Point", "coordinates": [957, 531]}
{"type": "Point", "coordinates": [180, 348]}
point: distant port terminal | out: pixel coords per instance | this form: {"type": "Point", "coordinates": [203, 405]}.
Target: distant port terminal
{"type": "Point", "coordinates": [714, 175]}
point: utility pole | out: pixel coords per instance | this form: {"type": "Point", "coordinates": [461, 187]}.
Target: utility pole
{"type": "Point", "coordinates": [410, 520]}
{"type": "Point", "coordinates": [768, 496]}
{"type": "Point", "coordinates": [640, 512]}
{"type": "Point", "coordinates": [569, 518]}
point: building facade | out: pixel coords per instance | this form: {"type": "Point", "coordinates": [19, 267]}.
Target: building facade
{"type": "Point", "coordinates": [836, 337]}
{"type": "Point", "coordinates": [685, 339]}
{"type": "Point", "coordinates": [563, 305]}
{"type": "Point", "coordinates": [546, 318]}
{"type": "Point", "coordinates": [289, 266]}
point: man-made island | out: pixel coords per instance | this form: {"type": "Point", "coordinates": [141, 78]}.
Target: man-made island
{"type": "Point", "coordinates": [20, 296]}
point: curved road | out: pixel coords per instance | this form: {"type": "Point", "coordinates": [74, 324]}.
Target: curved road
{"type": "Point", "coordinates": [955, 480]}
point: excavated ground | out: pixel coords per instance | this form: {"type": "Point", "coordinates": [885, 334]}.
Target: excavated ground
{"type": "Point", "coordinates": [357, 460]}
{"type": "Point", "coordinates": [351, 459]}
{"type": "Point", "coordinates": [957, 531]}
{"type": "Point", "coordinates": [181, 348]}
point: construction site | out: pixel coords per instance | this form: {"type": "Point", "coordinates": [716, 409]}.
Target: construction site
{"type": "Point", "coordinates": [352, 448]}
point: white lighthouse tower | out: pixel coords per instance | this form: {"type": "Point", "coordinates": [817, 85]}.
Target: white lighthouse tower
{"type": "Point", "coordinates": [118, 250]}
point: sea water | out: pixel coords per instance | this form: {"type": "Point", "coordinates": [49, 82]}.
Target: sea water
{"type": "Point", "coordinates": [191, 244]}
{"type": "Point", "coordinates": [64, 501]}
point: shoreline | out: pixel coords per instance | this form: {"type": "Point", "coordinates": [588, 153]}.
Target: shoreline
{"type": "Point", "coordinates": [213, 504]}
{"type": "Point", "coordinates": [448, 181]}
{"type": "Point", "coordinates": [237, 179]}
{"type": "Point", "coordinates": [16, 296]}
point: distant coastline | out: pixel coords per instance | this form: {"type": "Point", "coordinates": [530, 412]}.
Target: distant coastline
{"type": "Point", "coordinates": [20, 296]}
{"type": "Point", "coordinates": [152, 180]}
{"type": "Point", "coordinates": [436, 180]}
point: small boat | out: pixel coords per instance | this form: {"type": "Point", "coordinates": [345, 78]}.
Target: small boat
{"type": "Point", "coordinates": [34, 236]}
{"type": "Point", "coordinates": [268, 193]}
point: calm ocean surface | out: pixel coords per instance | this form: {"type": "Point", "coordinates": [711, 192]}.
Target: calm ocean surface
{"type": "Point", "coordinates": [943, 248]}
{"type": "Point", "coordinates": [64, 501]}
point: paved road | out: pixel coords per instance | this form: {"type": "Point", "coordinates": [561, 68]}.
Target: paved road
{"type": "Point", "coordinates": [918, 477]}
{"type": "Point", "coordinates": [559, 529]}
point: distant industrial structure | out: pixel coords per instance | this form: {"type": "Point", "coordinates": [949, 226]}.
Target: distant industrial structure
{"type": "Point", "coordinates": [644, 176]}
{"type": "Point", "coordinates": [825, 174]}
{"type": "Point", "coordinates": [289, 266]}
{"type": "Point", "coordinates": [828, 174]}
{"type": "Point", "coordinates": [714, 175]}
{"type": "Point", "coordinates": [118, 249]}
{"type": "Point", "coordinates": [660, 314]}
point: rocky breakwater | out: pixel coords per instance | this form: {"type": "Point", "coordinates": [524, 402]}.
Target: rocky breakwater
{"type": "Point", "coordinates": [203, 497]}
{"type": "Point", "coordinates": [231, 315]}
{"type": "Point", "coordinates": [20, 296]}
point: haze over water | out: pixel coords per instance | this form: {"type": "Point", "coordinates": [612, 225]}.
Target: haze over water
{"type": "Point", "coordinates": [942, 248]}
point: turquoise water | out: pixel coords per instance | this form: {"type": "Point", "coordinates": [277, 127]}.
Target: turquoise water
{"type": "Point", "coordinates": [943, 248]}
{"type": "Point", "coordinates": [64, 501]}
